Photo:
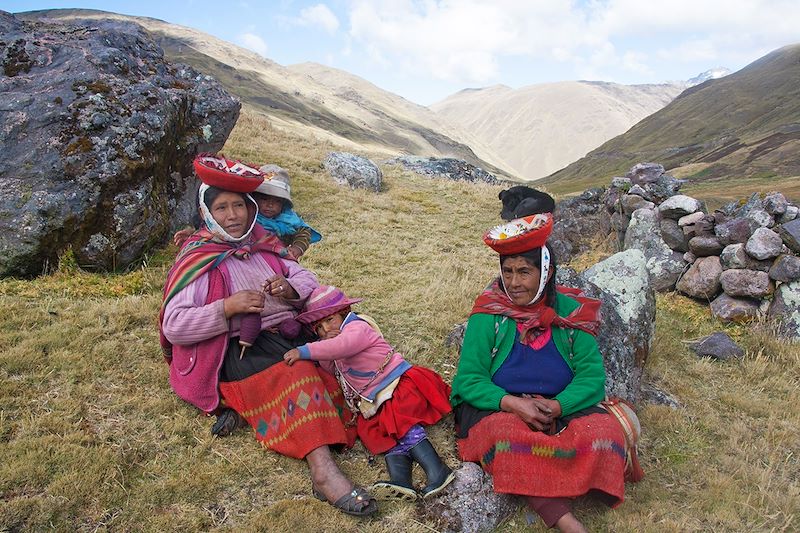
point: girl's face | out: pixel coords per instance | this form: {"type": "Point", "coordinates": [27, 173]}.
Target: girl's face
{"type": "Point", "coordinates": [229, 210]}
{"type": "Point", "coordinates": [521, 279]}
{"type": "Point", "coordinates": [269, 206]}
{"type": "Point", "coordinates": [328, 325]}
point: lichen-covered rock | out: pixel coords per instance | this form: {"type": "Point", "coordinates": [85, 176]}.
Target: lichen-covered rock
{"type": "Point", "coordinates": [790, 233]}
{"type": "Point", "coordinates": [577, 222]}
{"type": "Point", "coordinates": [785, 309]}
{"type": "Point", "coordinates": [469, 503]}
{"type": "Point", "coordinates": [622, 284]}
{"type": "Point", "coordinates": [664, 264]}
{"type": "Point", "coordinates": [679, 206]}
{"type": "Point", "coordinates": [730, 309]}
{"type": "Point", "coordinates": [705, 246]}
{"type": "Point", "coordinates": [717, 346]}
{"type": "Point", "coordinates": [761, 218]}
{"type": "Point", "coordinates": [790, 214]}
{"type": "Point", "coordinates": [775, 203]}
{"type": "Point", "coordinates": [354, 171]}
{"type": "Point", "coordinates": [785, 268]}
{"type": "Point", "coordinates": [702, 279]}
{"type": "Point", "coordinates": [98, 137]}
{"type": "Point", "coordinates": [763, 244]}
{"type": "Point", "coordinates": [651, 183]}
{"type": "Point", "coordinates": [747, 283]}
{"type": "Point", "coordinates": [447, 167]}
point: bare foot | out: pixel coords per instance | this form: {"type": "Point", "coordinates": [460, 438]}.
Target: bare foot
{"type": "Point", "coordinates": [569, 524]}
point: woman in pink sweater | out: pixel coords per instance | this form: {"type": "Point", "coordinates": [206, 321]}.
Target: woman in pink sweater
{"type": "Point", "coordinates": [229, 271]}
{"type": "Point", "coordinates": [390, 399]}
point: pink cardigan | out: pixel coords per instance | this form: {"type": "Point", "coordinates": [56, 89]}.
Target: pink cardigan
{"type": "Point", "coordinates": [358, 352]}
{"type": "Point", "coordinates": [193, 322]}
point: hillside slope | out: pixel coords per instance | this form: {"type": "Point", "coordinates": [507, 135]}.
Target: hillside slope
{"type": "Point", "coordinates": [342, 109]}
{"type": "Point", "coordinates": [541, 128]}
{"type": "Point", "coordinates": [743, 125]}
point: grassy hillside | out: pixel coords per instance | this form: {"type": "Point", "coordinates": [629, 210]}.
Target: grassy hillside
{"type": "Point", "coordinates": [744, 125]}
{"type": "Point", "coordinates": [94, 439]}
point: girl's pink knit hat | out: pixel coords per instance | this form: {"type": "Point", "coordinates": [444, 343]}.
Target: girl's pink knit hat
{"type": "Point", "coordinates": [324, 301]}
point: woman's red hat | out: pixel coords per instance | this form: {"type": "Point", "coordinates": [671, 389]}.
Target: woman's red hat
{"type": "Point", "coordinates": [520, 235]}
{"type": "Point", "coordinates": [217, 171]}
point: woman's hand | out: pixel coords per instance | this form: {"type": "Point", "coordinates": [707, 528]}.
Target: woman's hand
{"type": "Point", "coordinates": [292, 356]}
{"type": "Point", "coordinates": [295, 251]}
{"type": "Point", "coordinates": [278, 287]}
{"type": "Point", "coordinates": [531, 410]}
{"type": "Point", "coordinates": [248, 301]}
{"type": "Point", "coordinates": [551, 406]}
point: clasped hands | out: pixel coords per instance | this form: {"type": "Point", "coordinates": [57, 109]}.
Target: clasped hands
{"type": "Point", "coordinates": [535, 410]}
{"type": "Point", "coordinates": [252, 301]}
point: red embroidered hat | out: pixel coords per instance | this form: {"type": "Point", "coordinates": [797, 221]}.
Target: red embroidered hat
{"type": "Point", "coordinates": [217, 171]}
{"type": "Point", "coordinates": [324, 301]}
{"type": "Point", "coordinates": [520, 235]}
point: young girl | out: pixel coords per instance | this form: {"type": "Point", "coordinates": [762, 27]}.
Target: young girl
{"type": "Point", "coordinates": [275, 214]}
{"type": "Point", "coordinates": [391, 399]}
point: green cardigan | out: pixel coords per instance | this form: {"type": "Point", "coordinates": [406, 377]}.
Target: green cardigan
{"type": "Point", "coordinates": [487, 343]}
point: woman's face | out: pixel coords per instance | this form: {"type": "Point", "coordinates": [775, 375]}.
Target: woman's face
{"type": "Point", "coordinates": [229, 210]}
{"type": "Point", "coordinates": [521, 279]}
{"type": "Point", "coordinates": [269, 206]}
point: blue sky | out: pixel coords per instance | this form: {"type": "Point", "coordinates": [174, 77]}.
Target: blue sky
{"type": "Point", "coordinates": [425, 50]}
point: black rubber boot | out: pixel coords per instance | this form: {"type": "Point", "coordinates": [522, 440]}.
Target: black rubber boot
{"type": "Point", "coordinates": [399, 486]}
{"type": "Point", "coordinates": [439, 474]}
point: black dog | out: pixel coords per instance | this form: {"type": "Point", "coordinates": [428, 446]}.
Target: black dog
{"type": "Point", "coordinates": [521, 201]}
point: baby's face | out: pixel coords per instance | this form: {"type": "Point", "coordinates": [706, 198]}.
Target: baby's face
{"type": "Point", "coordinates": [269, 206]}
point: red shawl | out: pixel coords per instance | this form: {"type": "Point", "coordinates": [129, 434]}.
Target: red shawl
{"type": "Point", "coordinates": [538, 317]}
{"type": "Point", "coordinates": [203, 252]}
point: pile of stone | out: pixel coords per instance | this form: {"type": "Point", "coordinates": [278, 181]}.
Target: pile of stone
{"type": "Point", "coordinates": [447, 167]}
{"type": "Point", "coordinates": [742, 258]}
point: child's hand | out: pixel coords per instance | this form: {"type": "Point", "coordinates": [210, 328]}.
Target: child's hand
{"type": "Point", "coordinates": [291, 356]}
{"type": "Point", "coordinates": [295, 251]}
{"type": "Point", "coordinates": [181, 235]}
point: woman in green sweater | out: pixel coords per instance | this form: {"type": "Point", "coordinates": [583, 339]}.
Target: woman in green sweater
{"type": "Point", "coordinates": [529, 380]}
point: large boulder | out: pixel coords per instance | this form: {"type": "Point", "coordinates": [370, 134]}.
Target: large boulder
{"type": "Point", "coordinates": [578, 223]}
{"type": "Point", "coordinates": [785, 309]}
{"type": "Point", "coordinates": [622, 283]}
{"type": "Point", "coordinates": [98, 136]}
{"type": "Point", "coordinates": [354, 171]}
{"type": "Point", "coordinates": [664, 264]}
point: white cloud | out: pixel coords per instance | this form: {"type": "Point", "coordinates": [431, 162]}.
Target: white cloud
{"type": "Point", "coordinates": [321, 16]}
{"type": "Point", "coordinates": [253, 42]}
{"type": "Point", "coordinates": [465, 41]}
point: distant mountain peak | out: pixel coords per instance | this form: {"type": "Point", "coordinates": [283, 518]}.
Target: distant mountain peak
{"type": "Point", "coordinates": [711, 74]}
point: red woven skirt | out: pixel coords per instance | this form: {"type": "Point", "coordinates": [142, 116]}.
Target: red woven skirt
{"type": "Point", "coordinates": [588, 455]}
{"type": "Point", "coordinates": [421, 397]}
{"type": "Point", "coordinates": [292, 409]}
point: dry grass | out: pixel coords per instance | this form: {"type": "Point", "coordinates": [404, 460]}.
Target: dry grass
{"type": "Point", "coordinates": [94, 439]}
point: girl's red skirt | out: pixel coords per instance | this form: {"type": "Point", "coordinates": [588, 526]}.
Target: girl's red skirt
{"type": "Point", "coordinates": [421, 397]}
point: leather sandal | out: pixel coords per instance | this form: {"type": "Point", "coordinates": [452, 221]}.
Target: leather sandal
{"type": "Point", "coordinates": [227, 422]}
{"type": "Point", "coordinates": [357, 502]}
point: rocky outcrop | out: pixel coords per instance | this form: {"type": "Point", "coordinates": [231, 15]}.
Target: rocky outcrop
{"type": "Point", "coordinates": [453, 169]}
{"type": "Point", "coordinates": [354, 171]}
{"type": "Point", "coordinates": [97, 134]}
